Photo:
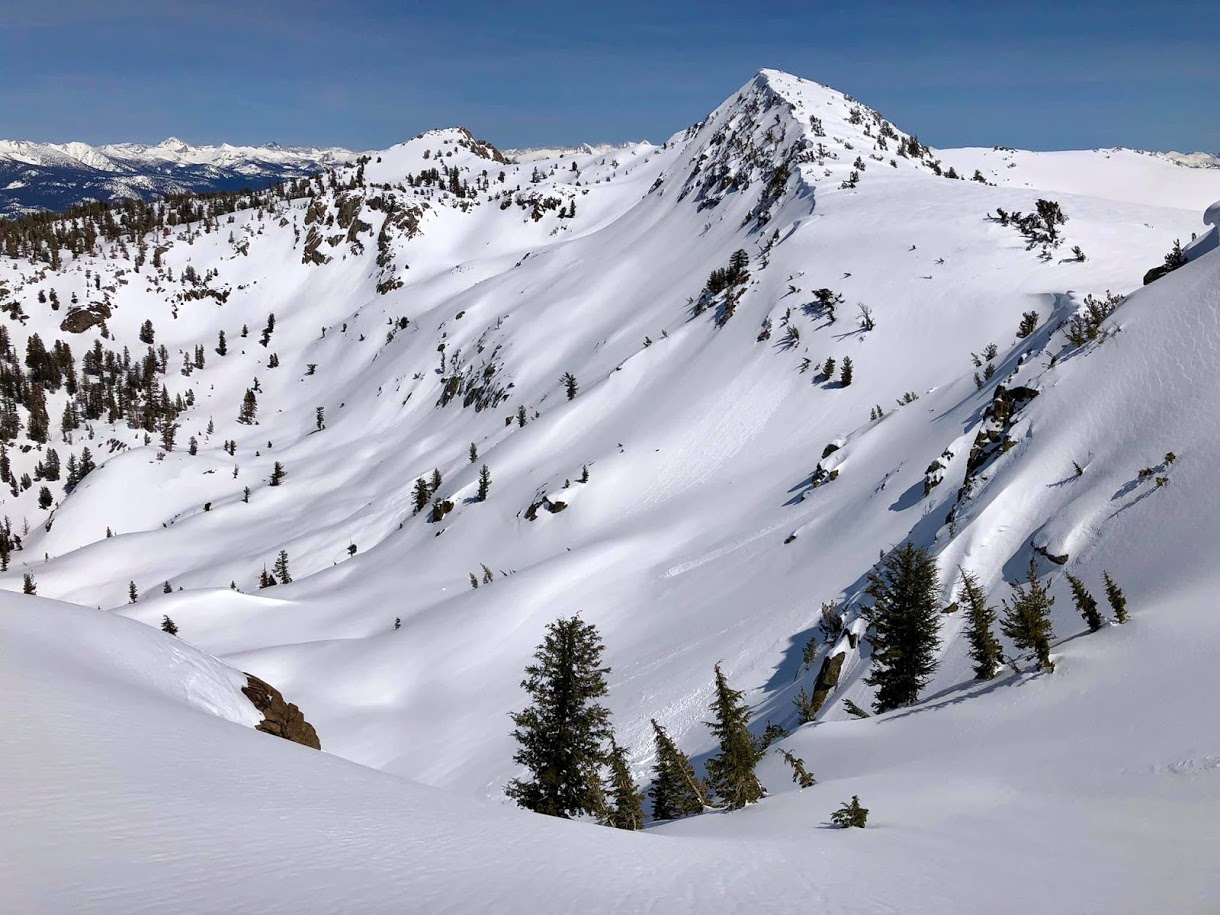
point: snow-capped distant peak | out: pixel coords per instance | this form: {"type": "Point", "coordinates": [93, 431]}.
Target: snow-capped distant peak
{"type": "Point", "coordinates": [42, 176]}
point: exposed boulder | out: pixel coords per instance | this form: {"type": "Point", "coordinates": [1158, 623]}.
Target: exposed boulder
{"type": "Point", "coordinates": [283, 719]}
{"type": "Point", "coordinates": [79, 320]}
{"type": "Point", "coordinates": [828, 679]}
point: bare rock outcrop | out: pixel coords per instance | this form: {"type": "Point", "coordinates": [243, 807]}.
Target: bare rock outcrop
{"type": "Point", "coordinates": [283, 719]}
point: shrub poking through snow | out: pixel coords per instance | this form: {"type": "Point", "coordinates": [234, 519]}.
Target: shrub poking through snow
{"type": "Point", "coordinates": [851, 815]}
{"type": "Point", "coordinates": [800, 775]}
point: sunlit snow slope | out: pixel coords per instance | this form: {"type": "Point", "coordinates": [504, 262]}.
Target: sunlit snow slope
{"type": "Point", "coordinates": [699, 536]}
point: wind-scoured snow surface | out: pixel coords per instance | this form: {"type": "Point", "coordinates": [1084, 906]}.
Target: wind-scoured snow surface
{"type": "Point", "coordinates": [52, 176]}
{"type": "Point", "coordinates": [698, 537]}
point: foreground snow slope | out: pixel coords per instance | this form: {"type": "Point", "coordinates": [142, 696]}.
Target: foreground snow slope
{"type": "Point", "coordinates": [699, 536]}
{"type": "Point", "coordinates": [1030, 793]}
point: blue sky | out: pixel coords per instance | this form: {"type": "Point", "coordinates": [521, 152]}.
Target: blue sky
{"type": "Point", "coordinates": [369, 73]}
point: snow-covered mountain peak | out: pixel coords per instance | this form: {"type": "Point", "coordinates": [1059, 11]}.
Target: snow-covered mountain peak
{"type": "Point", "coordinates": [780, 134]}
{"type": "Point", "coordinates": [40, 176]}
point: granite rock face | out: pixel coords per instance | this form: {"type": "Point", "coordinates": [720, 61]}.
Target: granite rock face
{"type": "Point", "coordinates": [283, 719]}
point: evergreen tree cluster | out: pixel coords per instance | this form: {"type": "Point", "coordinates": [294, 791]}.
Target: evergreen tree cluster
{"type": "Point", "coordinates": [576, 768]}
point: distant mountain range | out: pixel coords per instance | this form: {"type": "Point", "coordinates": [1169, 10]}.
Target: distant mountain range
{"type": "Point", "coordinates": [52, 176]}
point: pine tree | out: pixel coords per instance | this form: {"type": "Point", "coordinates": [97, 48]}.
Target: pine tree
{"type": "Point", "coordinates": [221, 347]}
{"type": "Point", "coordinates": [319, 418]}
{"type": "Point", "coordinates": [569, 385]}
{"type": "Point", "coordinates": [625, 809]}
{"type": "Point", "coordinates": [132, 594]}
{"type": "Point", "coordinates": [1027, 621]}
{"type": "Point", "coordinates": [169, 430]}
{"type": "Point", "coordinates": [281, 568]}
{"type": "Point", "coordinates": [45, 499]}
{"type": "Point", "coordinates": [562, 735]}
{"type": "Point", "coordinates": [474, 453]}
{"type": "Point", "coordinates": [1086, 604]}
{"type": "Point", "coordinates": [484, 483]}
{"type": "Point", "coordinates": [521, 418]}
{"type": "Point", "coordinates": [277, 474]}
{"type": "Point", "coordinates": [249, 408]}
{"type": "Point", "coordinates": [584, 474]}
{"type": "Point", "coordinates": [168, 625]}
{"type": "Point", "coordinates": [845, 372]}
{"type": "Point", "coordinates": [905, 620]}
{"type": "Point", "coordinates": [675, 791]}
{"type": "Point", "coordinates": [420, 496]}
{"type": "Point", "coordinates": [731, 771]}
{"type": "Point", "coordinates": [984, 646]}
{"type": "Point", "coordinates": [28, 585]}
{"type": "Point", "coordinates": [167, 589]}
{"type": "Point", "coordinates": [434, 484]}
{"type": "Point", "coordinates": [265, 580]}
{"type": "Point", "coordinates": [1116, 598]}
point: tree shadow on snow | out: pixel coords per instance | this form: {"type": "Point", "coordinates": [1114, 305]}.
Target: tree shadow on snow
{"type": "Point", "coordinates": [910, 498]}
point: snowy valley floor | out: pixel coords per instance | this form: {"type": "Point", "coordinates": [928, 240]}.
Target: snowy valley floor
{"type": "Point", "coordinates": [1092, 789]}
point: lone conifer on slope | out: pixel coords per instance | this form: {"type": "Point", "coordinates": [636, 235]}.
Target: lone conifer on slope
{"type": "Point", "coordinates": [28, 585]}
{"type": "Point", "coordinates": [905, 623]}
{"type": "Point", "coordinates": [484, 483]}
{"type": "Point", "coordinates": [1116, 598]}
{"type": "Point", "coordinates": [845, 372]}
{"type": "Point", "coordinates": [281, 568]}
{"type": "Point", "coordinates": [562, 736]}
{"type": "Point", "coordinates": [569, 385]}
{"type": "Point", "coordinates": [984, 646]}
{"type": "Point", "coordinates": [675, 791]}
{"type": "Point", "coordinates": [625, 808]}
{"type": "Point", "coordinates": [168, 625]}
{"type": "Point", "coordinates": [1027, 620]}
{"type": "Point", "coordinates": [1086, 604]}
{"type": "Point", "coordinates": [731, 771]}
{"type": "Point", "coordinates": [421, 496]}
